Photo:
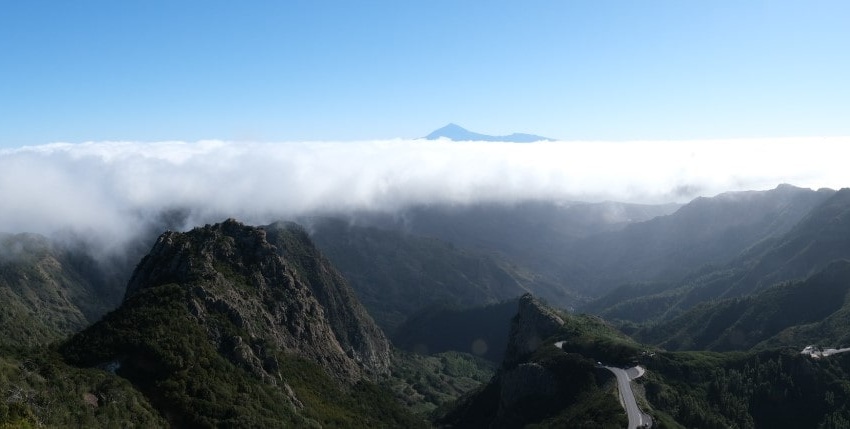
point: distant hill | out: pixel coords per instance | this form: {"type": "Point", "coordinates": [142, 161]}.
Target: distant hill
{"type": "Point", "coordinates": [50, 290]}
{"type": "Point", "coordinates": [396, 274]}
{"type": "Point", "coordinates": [706, 231]}
{"type": "Point", "coordinates": [537, 238]}
{"type": "Point", "coordinates": [819, 237]}
{"type": "Point", "coordinates": [457, 133]}
{"type": "Point", "coordinates": [788, 314]}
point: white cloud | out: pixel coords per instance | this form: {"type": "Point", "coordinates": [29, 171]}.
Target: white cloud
{"type": "Point", "coordinates": [112, 187]}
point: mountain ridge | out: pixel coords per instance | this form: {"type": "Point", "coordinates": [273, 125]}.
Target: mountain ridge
{"type": "Point", "coordinates": [820, 236]}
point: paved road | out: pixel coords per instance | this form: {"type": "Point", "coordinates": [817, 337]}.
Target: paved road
{"type": "Point", "coordinates": [817, 353]}
{"type": "Point", "coordinates": [624, 378]}
{"type": "Point", "coordinates": [627, 396]}
{"type": "Point", "coordinates": [830, 352]}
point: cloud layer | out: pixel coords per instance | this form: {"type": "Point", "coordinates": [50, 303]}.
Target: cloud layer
{"type": "Point", "coordinates": [113, 187]}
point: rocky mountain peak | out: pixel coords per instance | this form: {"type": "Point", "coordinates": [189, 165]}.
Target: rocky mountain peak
{"type": "Point", "coordinates": [253, 289]}
{"type": "Point", "coordinates": [533, 323]}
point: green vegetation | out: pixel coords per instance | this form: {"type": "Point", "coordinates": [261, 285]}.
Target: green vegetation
{"type": "Point", "coordinates": [426, 383]}
{"type": "Point", "coordinates": [551, 386]}
{"type": "Point", "coordinates": [166, 354]}
{"type": "Point", "coordinates": [771, 389]}
{"type": "Point", "coordinates": [597, 409]}
{"type": "Point", "coordinates": [592, 337]}
{"type": "Point", "coordinates": [49, 291]}
{"type": "Point", "coordinates": [161, 349]}
{"type": "Point", "coordinates": [37, 293]}
{"type": "Point", "coordinates": [40, 390]}
{"type": "Point", "coordinates": [233, 326]}
{"type": "Point", "coordinates": [574, 394]}
{"type": "Point", "coordinates": [778, 316]}
{"type": "Point", "coordinates": [222, 328]}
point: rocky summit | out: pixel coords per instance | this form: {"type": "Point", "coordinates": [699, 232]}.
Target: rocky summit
{"type": "Point", "coordinates": [229, 322]}
{"type": "Point", "coordinates": [533, 323]}
{"type": "Point", "coordinates": [272, 284]}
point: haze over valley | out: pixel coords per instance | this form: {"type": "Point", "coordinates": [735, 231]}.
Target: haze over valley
{"type": "Point", "coordinates": [433, 214]}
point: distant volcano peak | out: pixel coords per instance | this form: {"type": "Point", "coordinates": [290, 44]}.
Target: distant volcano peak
{"type": "Point", "coordinates": [455, 132]}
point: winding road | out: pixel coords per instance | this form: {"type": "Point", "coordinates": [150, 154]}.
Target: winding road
{"type": "Point", "coordinates": [627, 396]}
{"type": "Point", "coordinates": [637, 419]}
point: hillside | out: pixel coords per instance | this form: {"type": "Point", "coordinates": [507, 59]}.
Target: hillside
{"type": "Point", "coordinates": [770, 315]}
{"type": "Point", "coordinates": [818, 239]}
{"type": "Point", "coordinates": [40, 390]}
{"type": "Point", "coordinates": [54, 286]}
{"type": "Point", "coordinates": [580, 250]}
{"type": "Point", "coordinates": [704, 232]}
{"type": "Point", "coordinates": [535, 240]}
{"type": "Point", "coordinates": [48, 291]}
{"type": "Point", "coordinates": [396, 274]}
{"type": "Point", "coordinates": [769, 389]}
{"type": "Point", "coordinates": [821, 236]}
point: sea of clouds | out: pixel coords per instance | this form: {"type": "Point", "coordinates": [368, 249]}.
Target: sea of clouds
{"type": "Point", "coordinates": [113, 188]}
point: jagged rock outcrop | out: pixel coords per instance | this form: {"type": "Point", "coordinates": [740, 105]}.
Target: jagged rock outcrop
{"type": "Point", "coordinates": [275, 288]}
{"type": "Point", "coordinates": [533, 323]}
{"type": "Point", "coordinates": [535, 383]}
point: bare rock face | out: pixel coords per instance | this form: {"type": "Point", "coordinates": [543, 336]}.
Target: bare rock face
{"type": "Point", "coordinates": [523, 381]}
{"type": "Point", "coordinates": [533, 323]}
{"type": "Point", "coordinates": [355, 330]}
{"type": "Point", "coordinates": [255, 289]}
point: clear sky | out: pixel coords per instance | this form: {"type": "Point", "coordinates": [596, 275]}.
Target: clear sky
{"type": "Point", "coordinates": [89, 70]}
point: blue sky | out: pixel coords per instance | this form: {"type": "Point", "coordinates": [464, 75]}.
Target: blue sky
{"type": "Point", "coordinates": [87, 70]}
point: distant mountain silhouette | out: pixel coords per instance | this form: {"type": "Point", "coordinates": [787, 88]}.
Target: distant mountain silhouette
{"type": "Point", "coordinates": [457, 133]}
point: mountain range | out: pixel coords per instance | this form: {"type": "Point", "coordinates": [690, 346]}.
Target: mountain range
{"type": "Point", "coordinates": [494, 315]}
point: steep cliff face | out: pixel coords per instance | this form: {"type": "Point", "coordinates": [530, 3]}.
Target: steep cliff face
{"type": "Point", "coordinates": [275, 288]}
{"type": "Point", "coordinates": [520, 380]}
{"type": "Point", "coordinates": [533, 323]}
{"type": "Point", "coordinates": [354, 329]}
